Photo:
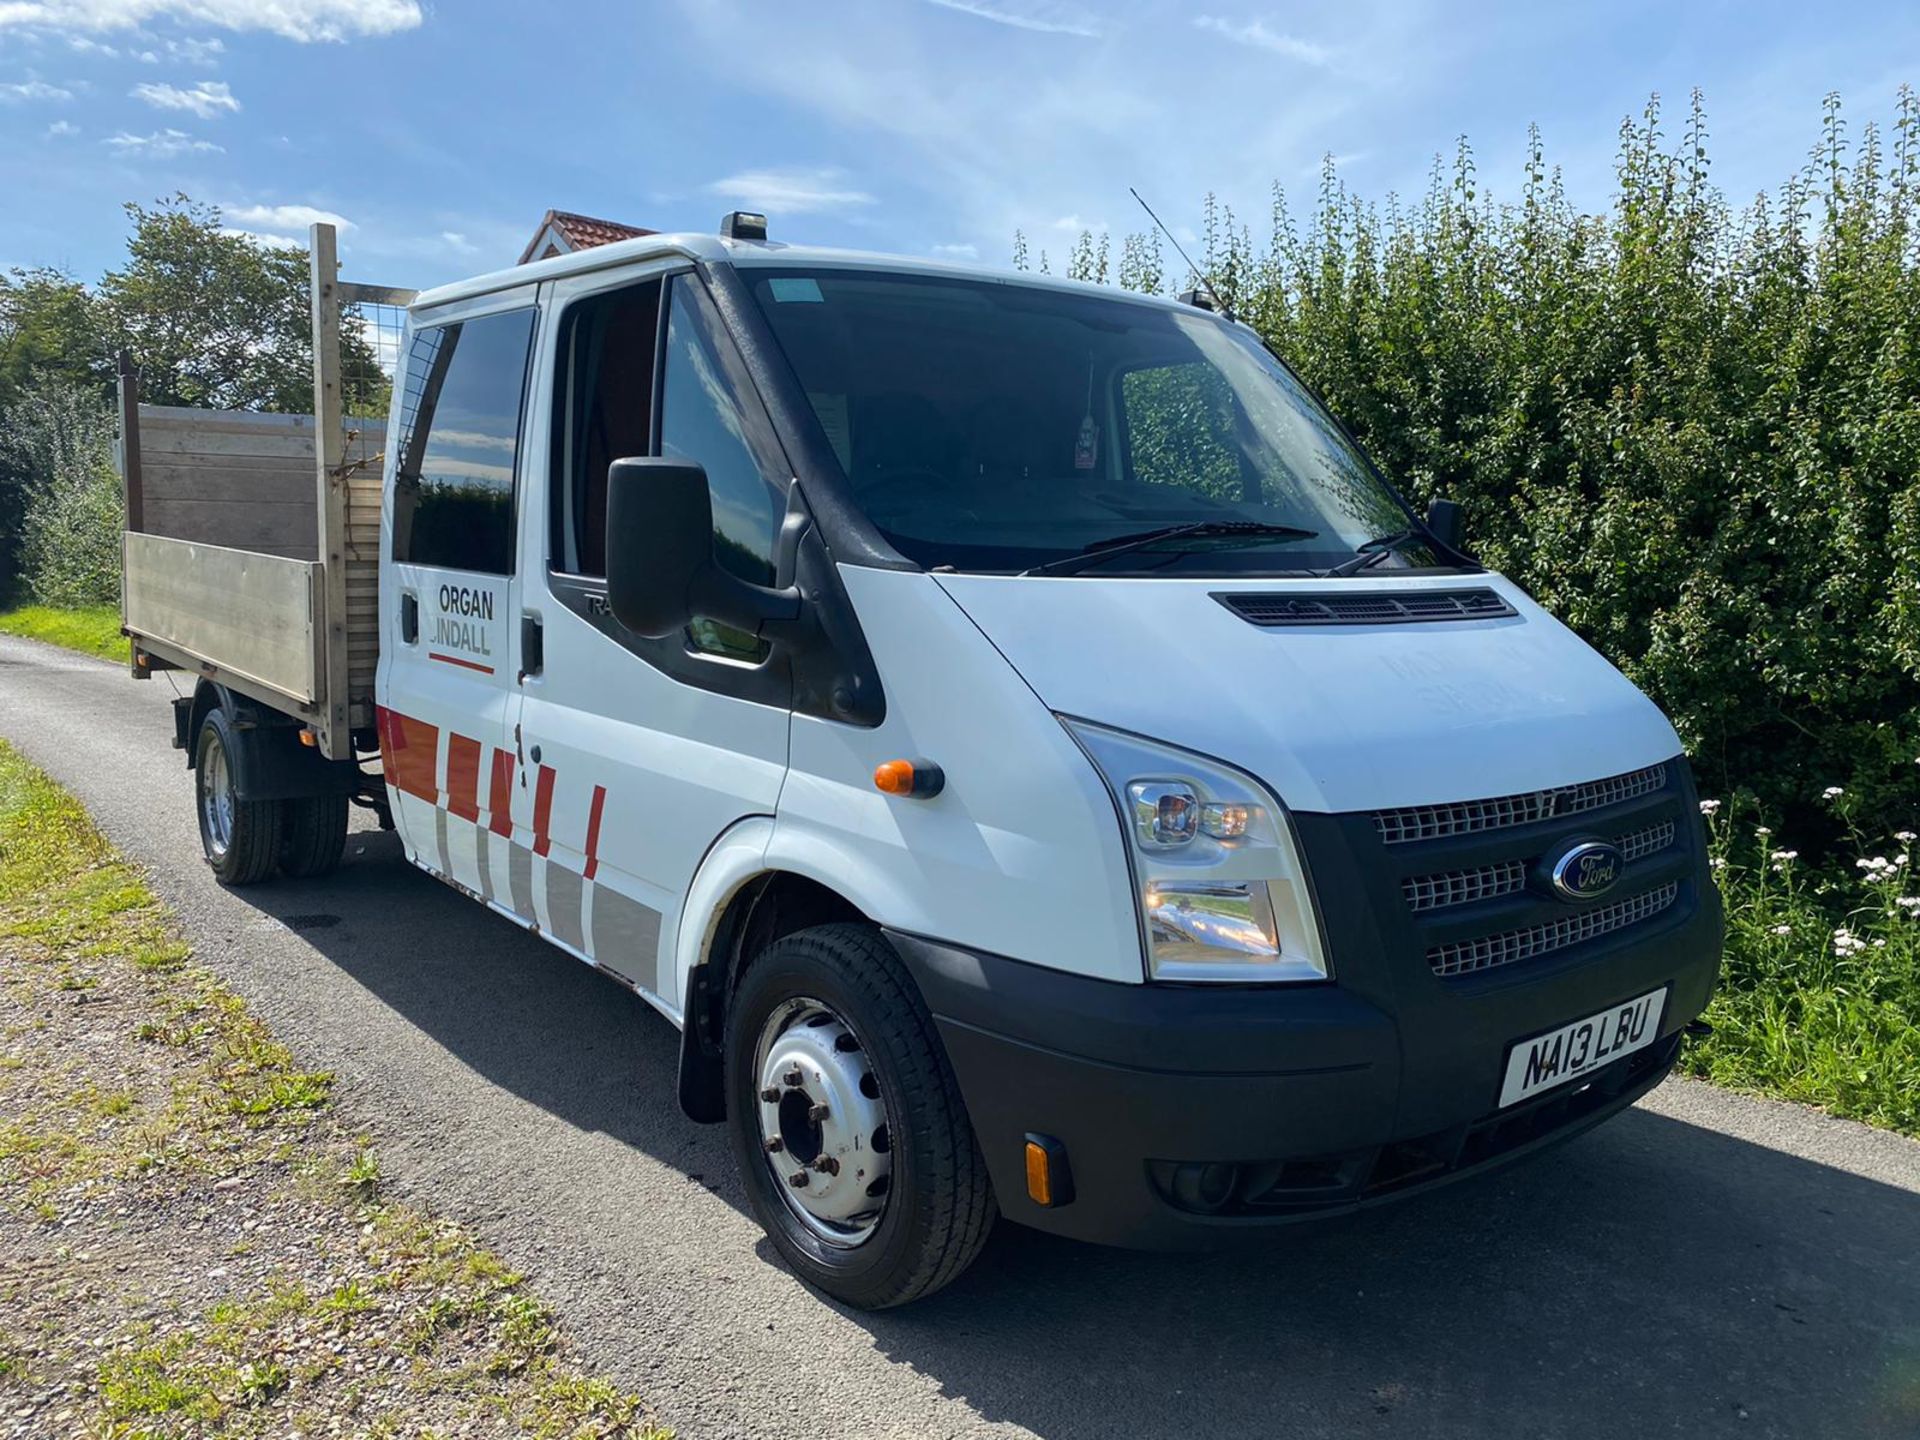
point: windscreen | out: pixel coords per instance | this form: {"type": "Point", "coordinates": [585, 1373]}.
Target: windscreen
{"type": "Point", "coordinates": [989, 425]}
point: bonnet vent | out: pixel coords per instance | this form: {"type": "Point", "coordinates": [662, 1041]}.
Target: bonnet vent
{"type": "Point", "coordinates": [1376, 607]}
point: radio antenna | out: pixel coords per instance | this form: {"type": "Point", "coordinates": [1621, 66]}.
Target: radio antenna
{"type": "Point", "coordinates": [1198, 274]}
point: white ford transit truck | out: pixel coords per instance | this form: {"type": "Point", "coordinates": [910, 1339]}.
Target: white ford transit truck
{"type": "Point", "coordinates": [1009, 727]}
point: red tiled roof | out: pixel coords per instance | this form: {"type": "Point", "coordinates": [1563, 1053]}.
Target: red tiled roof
{"type": "Point", "coordinates": [581, 232]}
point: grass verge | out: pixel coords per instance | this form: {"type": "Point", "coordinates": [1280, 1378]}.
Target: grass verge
{"type": "Point", "coordinates": [191, 1243]}
{"type": "Point", "coordinates": [92, 630]}
{"type": "Point", "coordinates": [1819, 995]}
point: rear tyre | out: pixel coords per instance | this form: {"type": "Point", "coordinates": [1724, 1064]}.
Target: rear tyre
{"type": "Point", "coordinates": [313, 835]}
{"type": "Point", "coordinates": [847, 1123]}
{"type": "Point", "coordinates": [240, 838]}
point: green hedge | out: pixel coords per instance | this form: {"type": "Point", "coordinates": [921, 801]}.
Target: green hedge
{"type": "Point", "coordinates": [1691, 431]}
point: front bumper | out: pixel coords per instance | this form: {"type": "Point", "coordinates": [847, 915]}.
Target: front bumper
{"type": "Point", "coordinates": [1325, 1098]}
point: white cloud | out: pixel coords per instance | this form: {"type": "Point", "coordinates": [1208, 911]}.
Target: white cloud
{"type": "Point", "coordinates": [790, 192]}
{"type": "Point", "coordinates": [1048, 19]}
{"type": "Point", "coordinates": [160, 145]}
{"type": "Point", "coordinates": [265, 242]}
{"type": "Point", "coordinates": [205, 100]}
{"type": "Point", "coordinates": [33, 90]}
{"type": "Point", "coordinates": [303, 20]}
{"type": "Point", "coordinates": [1254, 33]}
{"type": "Point", "coordinates": [458, 243]}
{"type": "Point", "coordinates": [957, 252]}
{"type": "Point", "coordinates": [60, 128]}
{"type": "Point", "coordinates": [294, 218]}
{"type": "Point", "coordinates": [193, 52]}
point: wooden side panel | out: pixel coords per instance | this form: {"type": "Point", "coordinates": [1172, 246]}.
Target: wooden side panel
{"type": "Point", "coordinates": [241, 480]}
{"type": "Point", "coordinates": [249, 615]}
{"type": "Point", "coordinates": [363, 588]}
{"type": "Point", "coordinates": [246, 481]}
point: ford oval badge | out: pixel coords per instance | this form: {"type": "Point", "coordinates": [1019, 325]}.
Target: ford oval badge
{"type": "Point", "coordinates": [1587, 870]}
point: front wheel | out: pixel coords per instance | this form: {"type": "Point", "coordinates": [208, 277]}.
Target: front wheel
{"type": "Point", "coordinates": [847, 1123]}
{"type": "Point", "coordinates": [240, 838]}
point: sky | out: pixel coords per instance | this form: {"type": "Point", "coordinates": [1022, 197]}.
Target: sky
{"type": "Point", "coordinates": [437, 134]}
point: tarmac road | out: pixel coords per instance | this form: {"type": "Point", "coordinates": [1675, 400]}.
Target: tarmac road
{"type": "Point", "coordinates": [1702, 1265]}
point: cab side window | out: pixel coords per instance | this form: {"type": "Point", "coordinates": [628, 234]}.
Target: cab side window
{"type": "Point", "coordinates": [459, 435]}
{"type": "Point", "coordinates": [603, 411]}
{"type": "Point", "coordinates": [708, 413]}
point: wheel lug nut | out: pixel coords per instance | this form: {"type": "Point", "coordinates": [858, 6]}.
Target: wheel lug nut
{"type": "Point", "coordinates": [775, 1144]}
{"type": "Point", "coordinates": [827, 1165]}
{"type": "Point", "coordinates": [798, 1179]}
{"type": "Point", "coordinates": [795, 1079]}
{"type": "Point", "coordinates": [770, 1095]}
{"type": "Point", "coordinates": [817, 1114]}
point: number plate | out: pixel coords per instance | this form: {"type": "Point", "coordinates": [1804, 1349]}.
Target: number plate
{"type": "Point", "coordinates": [1581, 1048]}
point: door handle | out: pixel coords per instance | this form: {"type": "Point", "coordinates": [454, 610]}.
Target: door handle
{"type": "Point", "coordinates": [533, 657]}
{"type": "Point", "coordinates": [409, 618]}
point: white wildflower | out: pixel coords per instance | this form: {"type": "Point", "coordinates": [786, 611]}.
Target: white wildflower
{"type": "Point", "coordinates": [1832, 792]}
{"type": "Point", "coordinates": [1763, 830]}
{"type": "Point", "coordinates": [1783, 929]}
{"type": "Point", "coordinates": [1875, 866]}
{"type": "Point", "coordinates": [1786, 854]}
{"type": "Point", "coordinates": [1845, 942]}
{"type": "Point", "coordinates": [1709, 807]}
{"type": "Point", "coordinates": [1910, 903]}
{"type": "Point", "coordinates": [1717, 863]}
{"type": "Point", "coordinates": [1905, 837]}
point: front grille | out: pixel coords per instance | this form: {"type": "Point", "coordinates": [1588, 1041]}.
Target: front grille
{"type": "Point", "coordinates": [1366, 607]}
{"type": "Point", "coordinates": [1487, 952]}
{"type": "Point", "coordinates": [1463, 887]}
{"type": "Point", "coordinates": [1436, 822]}
{"type": "Point", "coordinates": [1649, 841]}
{"type": "Point", "coordinates": [1506, 877]}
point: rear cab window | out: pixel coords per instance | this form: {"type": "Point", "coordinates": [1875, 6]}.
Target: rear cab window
{"type": "Point", "coordinates": [459, 440]}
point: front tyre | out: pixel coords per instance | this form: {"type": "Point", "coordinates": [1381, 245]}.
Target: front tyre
{"type": "Point", "coordinates": [240, 838]}
{"type": "Point", "coordinates": [847, 1123]}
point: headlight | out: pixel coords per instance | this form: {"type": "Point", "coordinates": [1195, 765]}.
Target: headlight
{"type": "Point", "coordinates": [1221, 890]}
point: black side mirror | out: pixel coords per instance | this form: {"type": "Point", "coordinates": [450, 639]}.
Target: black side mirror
{"type": "Point", "coordinates": [660, 567]}
{"type": "Point", "coordinates": [1444, 519]}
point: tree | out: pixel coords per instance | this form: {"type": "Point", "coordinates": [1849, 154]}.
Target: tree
{"type": "Point", "coordinates": [48, 327]}
{"type": "Point", "coordinates": [216, 319]}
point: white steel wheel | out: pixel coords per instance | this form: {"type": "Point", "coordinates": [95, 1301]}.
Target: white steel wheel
{"type": "Point", "coordinates": [846, 1121]}
{"type": "Point", "coordinates": [241, 838]}
{"type": "Point", "coordinates": [215, 777]}
{"type": "Point", "coordinates": [823, 1124]}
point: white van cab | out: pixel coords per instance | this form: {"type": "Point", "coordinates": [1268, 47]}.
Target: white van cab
{"type": "Point", "coordinates": [1011, 728]}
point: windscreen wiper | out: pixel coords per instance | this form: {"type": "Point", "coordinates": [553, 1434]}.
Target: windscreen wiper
{"type": "Point", "coordinates": [1120, 545]}
{"type": "Point", "coordinates": [1371, 552]}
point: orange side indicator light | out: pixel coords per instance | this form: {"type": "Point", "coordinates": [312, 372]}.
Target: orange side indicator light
{"type": "Point", "coordinates": [1049, 1177]}
{"type": "Point", "coordinates": [915, 779]}
{"type": "Point", "coordinates": [1039, 1182]}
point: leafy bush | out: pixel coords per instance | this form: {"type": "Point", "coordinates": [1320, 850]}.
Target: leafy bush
{"type": "Point", "coordinates": [1820, 986]}
{"type": "Point", "coordinates": [58, 438]}
{"type": "Point", "coordinates": [1692, 432]}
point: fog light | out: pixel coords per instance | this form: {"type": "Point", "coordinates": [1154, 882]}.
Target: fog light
{"type": "Point", "coordinates": [1205, 1188]}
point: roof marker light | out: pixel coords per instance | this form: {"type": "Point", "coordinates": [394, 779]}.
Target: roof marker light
{"type": "Point", "coordinates": [743, 225]}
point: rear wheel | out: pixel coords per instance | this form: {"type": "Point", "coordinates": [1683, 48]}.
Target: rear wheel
{"type": "Point", "coordinates": [847, 1123]}
{"type": "Point", "coordinates": [240, 838]}
{"type": "Point", "coordinates": [313, 834]}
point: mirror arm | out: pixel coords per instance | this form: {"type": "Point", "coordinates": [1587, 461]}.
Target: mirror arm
{"type": "Point", "coordinates": [757, 609]}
